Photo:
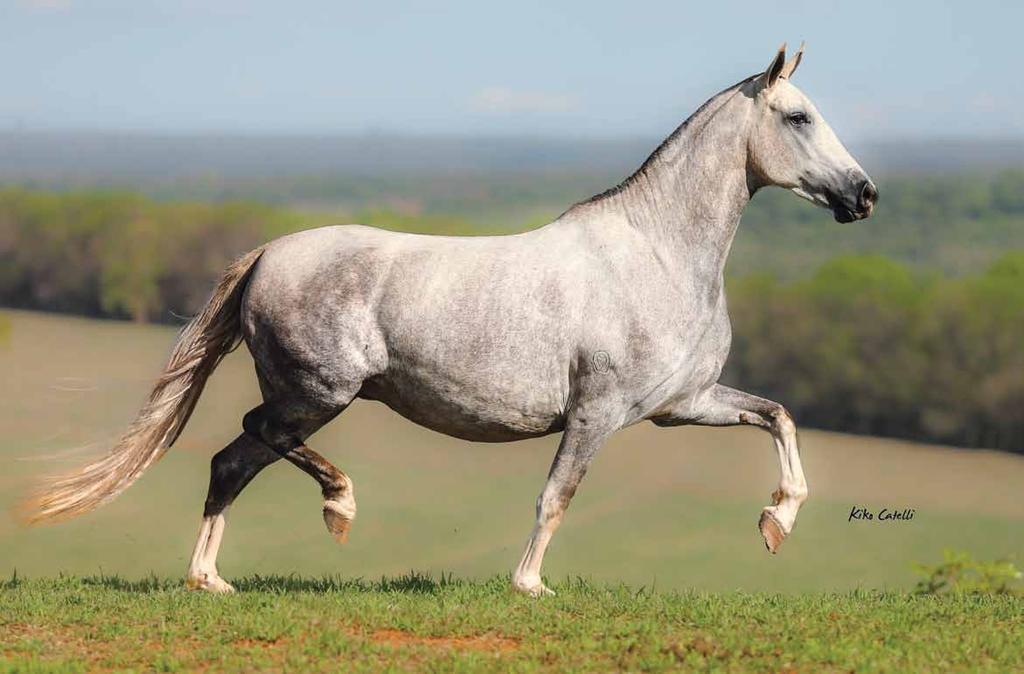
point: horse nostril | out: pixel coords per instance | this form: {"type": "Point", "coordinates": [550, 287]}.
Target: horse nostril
{"type": "Point", "coordinates": [868, 196]}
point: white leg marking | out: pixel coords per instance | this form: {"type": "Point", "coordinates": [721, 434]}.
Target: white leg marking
{"type": "Point", "coordinates": [202, 569]}
{"type": "Point", "coordinates": [777, 520]}
{"type": "Point", "coordinates": [339, 512]}
{"type": "Point", "coordinates": [526, 577]}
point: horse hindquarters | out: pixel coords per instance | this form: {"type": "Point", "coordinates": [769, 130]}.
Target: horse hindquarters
{"type": "Point", "coordinates": [303, 389]}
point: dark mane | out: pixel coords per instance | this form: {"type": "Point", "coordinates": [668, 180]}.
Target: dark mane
{"type": "Point", "coordinates": [612, 191]}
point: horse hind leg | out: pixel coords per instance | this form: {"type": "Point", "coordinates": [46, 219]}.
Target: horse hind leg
{"type": "Point", "coordinates": [265, 441]}
{"type": "Point", "coordinates": [231, 469]}
{"type": "Point", "coordinates": [284, 427]}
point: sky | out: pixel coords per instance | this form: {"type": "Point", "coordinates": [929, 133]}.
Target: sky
{"type": "Point", "coordinates": [877, 70]}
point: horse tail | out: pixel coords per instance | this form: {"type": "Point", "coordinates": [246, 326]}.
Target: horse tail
{"type": "Point", "coordinates": [203, 342]}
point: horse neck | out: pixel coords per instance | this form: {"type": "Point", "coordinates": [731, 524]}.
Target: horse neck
{"type": "Point", "coordinates": [687, 198]}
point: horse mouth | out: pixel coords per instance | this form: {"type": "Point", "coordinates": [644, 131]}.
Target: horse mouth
{"type": "Point", "coordinates": [844, 215]}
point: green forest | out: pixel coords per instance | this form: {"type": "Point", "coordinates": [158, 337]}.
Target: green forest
{"type": "Point", "coordinates": [910, 324]}
{"type": "Point", "coordinates": [866, 345]}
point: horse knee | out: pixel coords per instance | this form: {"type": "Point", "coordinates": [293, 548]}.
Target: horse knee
{"type": "Point", "coordinates": [551, 506]}
{"type": "Point", "coordinates": [261, 425]}
{"type": "Point", "coordinates": [257, 424]}
{"type": "Point", "coordinates": [782, 421]}
{"type": "Point", "coordinates": [253, 422]}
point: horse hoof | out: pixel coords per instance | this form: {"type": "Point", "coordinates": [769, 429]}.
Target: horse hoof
{"type": "Point", "coordinates": [533, 589]}
{"type": "Point", "coordinates": [207, 583]}
{"type": "Point", "coordinates": [771, 530]}
{"type": "Point", "coordinates": [338, 516]}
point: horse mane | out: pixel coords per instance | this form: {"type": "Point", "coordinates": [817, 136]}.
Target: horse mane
{"type": "Point", "coordinates": [664, 145]}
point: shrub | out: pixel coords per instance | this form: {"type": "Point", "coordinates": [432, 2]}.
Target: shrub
{"type": "Point", "coordinates": [961, 573]}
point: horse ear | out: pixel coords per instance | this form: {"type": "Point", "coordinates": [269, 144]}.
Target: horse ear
{"type": "Point", "coordinates": [791, 64]}
{"type": "Point", "coordinates": [771, 75]}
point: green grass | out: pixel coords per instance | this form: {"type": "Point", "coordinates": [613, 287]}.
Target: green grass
{"type": "Point", "coordinates": [414, 622]}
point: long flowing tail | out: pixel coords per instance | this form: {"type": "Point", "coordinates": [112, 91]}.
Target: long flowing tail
{"type": "Point", "coordinates": [203, 342]}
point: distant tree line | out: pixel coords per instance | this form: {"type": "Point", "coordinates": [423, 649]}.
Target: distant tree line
{"type": "Point", "coordinates": [956, 223]}
{"type": "Point", "coordinates": [865, 345]}
{"type": "Point", "coordinates": [121, 255]}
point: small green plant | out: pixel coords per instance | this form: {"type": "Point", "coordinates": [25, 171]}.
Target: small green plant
{"type": "Point", "coordinates": [961, 573]}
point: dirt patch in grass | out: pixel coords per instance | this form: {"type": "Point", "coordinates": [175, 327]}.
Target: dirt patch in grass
{"type": "Point", "coordinates": [21, 640]}
{"type": "Point", "coordinates": [80, 645]}
{"type": "Point", "coordinates": [487, 643]}
{"type": "Point", "coordinates": [259, 644]}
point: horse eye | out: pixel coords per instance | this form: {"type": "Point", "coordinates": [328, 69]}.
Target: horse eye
{"type": "Point", "coordinates": [798, 119]}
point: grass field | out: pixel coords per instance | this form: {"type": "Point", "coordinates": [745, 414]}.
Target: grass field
{"type": "Point", "coordinates": [415, 623]}
{"type": "Point", "coordinates": [663, 509]}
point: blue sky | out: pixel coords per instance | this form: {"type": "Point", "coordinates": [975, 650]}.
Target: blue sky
{"type": "Point", "coordinates": [588, 68]}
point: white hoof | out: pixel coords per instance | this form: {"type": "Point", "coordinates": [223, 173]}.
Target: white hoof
{"type": "Point", "coordinates": [533, 587]}
{"type": "Point", "coordinates": [338, 515]}
{"type": "Point", "coordinates": [209, 582]}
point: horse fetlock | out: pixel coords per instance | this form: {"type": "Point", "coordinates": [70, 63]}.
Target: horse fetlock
{"type": "Point", "coordinates": [784, 424]}
{"type": "Point", "coordinates": [337, 486]}
{"type": "Point", "coordinates": [531, 585]}
{"type": "Point", "coordinates": [789, 493]}
{"type": "Point", "coordinates": [208, 582]}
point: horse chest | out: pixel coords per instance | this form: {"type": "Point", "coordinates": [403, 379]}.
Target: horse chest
{"type": "Point", "coordinates": [682, 357]}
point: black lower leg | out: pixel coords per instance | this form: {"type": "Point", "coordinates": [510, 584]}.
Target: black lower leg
{"type": "Point", "coordinates": [232, 468]}
{"type": "Point", "coordinates": [288, 443]}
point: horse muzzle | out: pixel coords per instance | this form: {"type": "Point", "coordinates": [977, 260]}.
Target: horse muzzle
{"type": "Point", "coordinates": [856, 204]}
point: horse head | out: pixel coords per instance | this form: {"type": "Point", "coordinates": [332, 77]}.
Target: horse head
{"type": "Point", "coordinates": [792, 146]}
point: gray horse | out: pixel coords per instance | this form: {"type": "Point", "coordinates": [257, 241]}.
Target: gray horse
{"type": "Point", "coordinates": [612, 314]}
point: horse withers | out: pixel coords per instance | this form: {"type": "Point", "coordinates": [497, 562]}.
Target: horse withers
{"type": "Point", "coordinates": [614, 313]}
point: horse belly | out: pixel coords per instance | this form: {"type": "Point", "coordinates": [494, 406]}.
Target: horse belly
{"type": "Point", "coordinates": [476, 348]}
{"type": "Point", "coordinates": [482, 406]}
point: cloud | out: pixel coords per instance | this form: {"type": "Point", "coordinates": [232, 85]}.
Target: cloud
{"type": "Point", "coordinates": [503, 100]}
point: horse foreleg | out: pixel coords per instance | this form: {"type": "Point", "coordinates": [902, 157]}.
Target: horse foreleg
{"type": "Point", "coordinates": [724, 406]}
{"type": "Point", "coordinates": [575, 452]}
{"type": "Point", "coordinates": [231, 469]}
